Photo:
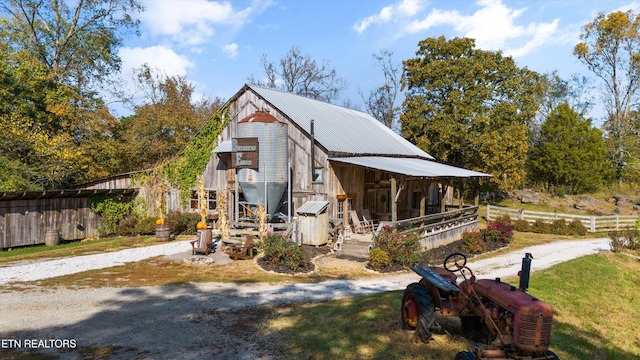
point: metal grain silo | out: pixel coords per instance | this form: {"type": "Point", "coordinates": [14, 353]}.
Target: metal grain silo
{"type": "Point", "coordinates": [273, 154]}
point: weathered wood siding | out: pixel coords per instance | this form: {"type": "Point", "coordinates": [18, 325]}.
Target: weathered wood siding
{"type": "Point", "coordinates": [218, 175]}
{"type": "Point", "coordinates": [24, 222]}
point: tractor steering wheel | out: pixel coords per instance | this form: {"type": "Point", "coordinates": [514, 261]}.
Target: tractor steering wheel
{"type": "Point", "coordinates": [455, 261]}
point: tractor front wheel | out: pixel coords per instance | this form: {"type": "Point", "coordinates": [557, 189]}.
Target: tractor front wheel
{"type": "Point", "coordinates": [418, 314]}
{"type": "Point", "coordinates": [551, 354]}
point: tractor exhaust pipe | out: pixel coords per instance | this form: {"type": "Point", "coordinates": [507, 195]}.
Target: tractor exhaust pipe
{"type": "Point", "coordinates": [525, 273]}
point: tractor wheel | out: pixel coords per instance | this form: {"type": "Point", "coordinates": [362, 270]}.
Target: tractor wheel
{"type": "Point", "coordinates": [551, 353]}
{"type": "Point", "coordinates": [418, 314]}
{"type": "Point", "coordinates": [465, 355]}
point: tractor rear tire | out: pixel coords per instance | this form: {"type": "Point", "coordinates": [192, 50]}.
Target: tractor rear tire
{"type": "Point", "coordinates": [418, 312]}
{"type": "Point", "coordinates": [465, 355]}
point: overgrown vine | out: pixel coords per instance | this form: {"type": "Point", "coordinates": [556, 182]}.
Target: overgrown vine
{"type": "Point", "coordinates": [182, 170]}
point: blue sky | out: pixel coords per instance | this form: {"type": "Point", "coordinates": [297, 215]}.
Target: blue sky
{"type": "Point", "coordinates": [217, 45]}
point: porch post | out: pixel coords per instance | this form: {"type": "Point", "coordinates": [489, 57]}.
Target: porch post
{"type": "Point", "coordinates": [443, 195]}
{"type": "Point", "coordinates": [461, 194]}
{"type": "Point", "coordinates": [476, 199]}
{"type": "Point", "coordinates": [424, 186]}
{"type": "Point", "coordinates": [394, 205]}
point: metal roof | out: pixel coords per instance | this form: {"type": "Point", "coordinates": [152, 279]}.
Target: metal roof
{"type": "Point", "coordinates": [68, 193]}
{"type": "Point", "coordinates": [340, 130]}
{"type": "Point", "coordinates": [410, 166]}
{"type": "Point", "coordinates": [223, 147]}
{"type": "Point", "coordinates": [312, 207]}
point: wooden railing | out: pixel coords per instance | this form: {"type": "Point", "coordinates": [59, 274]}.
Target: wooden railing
{"type": "Point", "coordinates": [592, 223]}
{"type": "Point", "coordinates": [438, 229]}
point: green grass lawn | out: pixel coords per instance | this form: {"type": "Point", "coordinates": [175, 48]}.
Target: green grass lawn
{"type": "Point", "coordinates": [596, 301]}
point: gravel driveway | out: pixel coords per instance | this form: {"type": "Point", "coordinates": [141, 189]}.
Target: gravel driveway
{"type": "Point", "coordinates": [193, 321]}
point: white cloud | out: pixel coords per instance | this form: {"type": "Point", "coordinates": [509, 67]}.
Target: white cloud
{"type": "Point", "coordinates": [231, 50]}
{"type": "Point", "coordinates": [405, 8]}
{"type": "Point", "coordinates": [492, 26]}
{"type": "Point", "coordinates": [190, 21]}
{"type": "Point", "coordinates": [157, 57]}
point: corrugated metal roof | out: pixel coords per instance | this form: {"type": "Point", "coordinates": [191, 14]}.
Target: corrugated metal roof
{"type": "Point", "coordinates": [341, 130]}
{"type": "Point", "coordinates": [223, 147]}
{"type": "Point", "coordinates": [410, 166]}
{"type": "Point", "coordinates": [312, 207]}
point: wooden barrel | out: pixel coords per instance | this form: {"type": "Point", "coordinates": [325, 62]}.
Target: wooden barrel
{"type": "Point", "coordinates": [51, 238]}
{"type": "Point", "coordinates": [162, 233]}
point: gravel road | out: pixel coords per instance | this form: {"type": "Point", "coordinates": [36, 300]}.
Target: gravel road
{"type": "Point", "coordinates": [193, 321]}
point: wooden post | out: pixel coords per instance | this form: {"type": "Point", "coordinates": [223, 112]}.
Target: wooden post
{"type": "Point", "coordinates": [443, 192]}
{"type": "Point", "coordinates": [476, 200]}
{"type": "Point", "coordinates": [394, 205]}
{"type": "Point", "coordinates": [461, 195]}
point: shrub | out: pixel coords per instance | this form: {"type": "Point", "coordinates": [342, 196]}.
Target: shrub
{"type": "Point", "coordinates": [559, 227]}
{"type": "Point", "coordinates": [522, 226]}
{"type": "Point", "coordinates": [378, 259]}
{"type": "Point", "coordinates": [280, 251]}
{"type": "Point", "coordinates": [146, 226]}
{"type": "Point", "coordinates": [541, 227]}
{"type": "Point", "coordinates": [127, 226]}
{"type": "Point", "coordinates": [402, 247]}
{"type": "Point", "coordinates": [576, 227]}
{"type": "Point", "coordinates": [500, 230]}
{"type": "Point", "coordinates": [182, 223]}
{"type": "Point", "coordinates": [633, 240]}
{"type": "Point", "coordinates": [112, 210]}
{"type": "Point", "coordinates": [617, 241]}
{"type": "Point", "coordinates": [473, 242]}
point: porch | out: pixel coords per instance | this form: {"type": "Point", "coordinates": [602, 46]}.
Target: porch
{"type": "Point", "coordinates": [434, 230]}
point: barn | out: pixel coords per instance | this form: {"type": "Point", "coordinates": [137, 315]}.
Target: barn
{"type": "Point", "coordinates": [284, 150]}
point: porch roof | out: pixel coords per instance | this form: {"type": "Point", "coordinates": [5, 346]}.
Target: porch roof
{"type": "Point", "coordinates": [410, 166]}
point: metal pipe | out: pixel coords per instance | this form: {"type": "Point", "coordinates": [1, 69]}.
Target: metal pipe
{"type": "Point", "coordinates": [313, 157]}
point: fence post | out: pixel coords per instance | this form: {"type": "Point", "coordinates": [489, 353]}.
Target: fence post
{"type": "Point", "coordinates": [593, 224]}
{"type": "Point", "coordinates": [616, 222]}
{"type": "Point", "coordinates": [488, 212]}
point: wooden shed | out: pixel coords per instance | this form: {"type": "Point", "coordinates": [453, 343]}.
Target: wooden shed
{"type": "Point", "coordinates": [313, 223]}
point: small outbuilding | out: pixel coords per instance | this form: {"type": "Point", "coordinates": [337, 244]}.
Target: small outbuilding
{"type": "Point", "coordinates": [313, 223]}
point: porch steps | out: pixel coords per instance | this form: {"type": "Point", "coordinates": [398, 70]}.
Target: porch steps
{"type": "Point", "coordinates": [355, 248]}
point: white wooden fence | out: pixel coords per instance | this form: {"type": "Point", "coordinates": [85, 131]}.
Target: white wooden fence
{"type": "Point", "coordinates": [592, 223]}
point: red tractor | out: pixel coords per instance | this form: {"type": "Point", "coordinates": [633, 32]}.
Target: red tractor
{"type": "Point", "coordinates": [503, 321]}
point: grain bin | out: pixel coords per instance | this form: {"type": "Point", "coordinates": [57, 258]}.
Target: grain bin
{"type": "Point", "coordinates": [271, 173]}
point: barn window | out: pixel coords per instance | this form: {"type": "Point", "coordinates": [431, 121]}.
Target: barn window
{"type": "Point", "coordinates": [345, 204]}
{"type": "Point", "coordinates": [211, 200]}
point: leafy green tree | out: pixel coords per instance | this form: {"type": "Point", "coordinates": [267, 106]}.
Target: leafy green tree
{"type": "Point", "coordinates": [470, 108]}
{"type": "Point", "coordinates": [35, 135]}
{"type": "Point", "coordinates": [571, 155]}
{"type": "Point", "coordinates": [610, 47]}
{"type": "Point", "coordinates": [78, 44]}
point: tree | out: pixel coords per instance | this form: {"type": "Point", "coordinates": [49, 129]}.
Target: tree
{"type": "Point", "coordinates": [36, 138]}
{"type": "Point", "coordinates": [470, 108]}
{"type": "Point", "coordinates": [301, 75]}
{"type": "Point", "coordinates": [571, 155]}
{"type": "Point", "coordinates": [381, 102]}
{"type": "Point", "coordinates": [163, 125]}
{"type": "Point", "coordinates": [79, 45]}
{"type": "Point", "coordinates": [610, 48]}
